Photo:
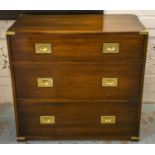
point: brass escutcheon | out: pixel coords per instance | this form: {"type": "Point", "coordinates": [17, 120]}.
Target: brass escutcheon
{"type": "Point", "coordinates": [45, 82]}
{"type": "Point", "coordinates": [43, 48]}
{"type": "Point", "coordinates": [110, 47]}
{"type": "Point", "coordinates": [108, 119]}
{"type": "Point", "coordinates": [47, 119]}
{"type": "Point", "coordinates": [109, 82]}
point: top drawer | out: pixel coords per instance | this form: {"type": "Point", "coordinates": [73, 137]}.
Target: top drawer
{"type": "Point", "coordinates": [104, 47]}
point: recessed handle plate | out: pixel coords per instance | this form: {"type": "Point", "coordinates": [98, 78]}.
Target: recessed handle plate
{"type": "Point", "coordinates": [109, 82]}
{"type": "Point", "coordinates": [47, 119]}
{"type": "Point", "coordinates": [111, 48]}
{"type": "Point", "coordinates": [43, 48]}
{"type": "Point", "coordinates": [108, 119]}
{"type": "Point", "coordinates": [45, 82]}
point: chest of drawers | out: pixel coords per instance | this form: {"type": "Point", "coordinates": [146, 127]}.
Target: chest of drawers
{"type": "Point", "coordinates": [77, 76]}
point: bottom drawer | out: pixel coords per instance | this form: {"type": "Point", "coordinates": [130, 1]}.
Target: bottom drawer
{"type": "Point", "coordinates": [46, 120]}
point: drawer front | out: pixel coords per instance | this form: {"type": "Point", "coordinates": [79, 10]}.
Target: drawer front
{"type": "Point", "coordinates": [78, 81]}
{"type": "Point", "coordinates": [107, 47]}
{"type": "Point", "coordinates": [76, 120]}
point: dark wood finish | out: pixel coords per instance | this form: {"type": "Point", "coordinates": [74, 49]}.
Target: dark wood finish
{"type": "Point", "coordinates": [78, 47]}
{"type": "Point", "coordinates": [142, 82]}
{"type": "Point", "coordinates": [74, 24]}
{"type": "Point", "coordinates": [77, 66]}
{"type": "Point", "coordinates": [13, 84]}
{"type": "Point", "coordinates": [70, 78]}
{"type": "Point", "coordinates": [14, 14]}
{"type": "Point", "coordinates": [76, 120]}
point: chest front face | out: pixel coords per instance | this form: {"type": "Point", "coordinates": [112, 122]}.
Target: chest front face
{"type": "Point", "coordinates": [77, 85]}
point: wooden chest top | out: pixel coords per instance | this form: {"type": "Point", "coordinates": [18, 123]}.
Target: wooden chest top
{"type": "Point", "coordinates": [77, 24]}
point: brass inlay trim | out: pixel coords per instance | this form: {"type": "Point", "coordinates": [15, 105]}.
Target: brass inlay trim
{"type": "Point", "coordinates": [47, 119]}
{"type": "Point", "coordinates": [11, 33]}
{"type": "Point", "coordinates": [108, 119]}
{"type": "Point", "coordinates": [134, 138]}
{"type": "Point", "coordinates": [21, 138]}
{"type": "Point", "coordinates": [145, 32]}
{"type": "Point", "coordinates": [111, 47]}
{"type": "Point", "coordinates": [43, 48]}
{"type": "Point", "coordinates": [45, 82]}
{"type": "Point", "coordinates": [109, 82]}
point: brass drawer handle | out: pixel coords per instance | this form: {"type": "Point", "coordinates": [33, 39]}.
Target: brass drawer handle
{"type": "Point", "coordinates": [45, 82]}
{"type": "Point", "coordinates": [47, 119]}
{"type": "Point", "coordinates": [111, 48]}
{"type": "Point", "coordinates": [108, 119]}
{"type": "Point", "coordinates": [43, 48]}
{"type": "Point", "coordinates": [109, 82]}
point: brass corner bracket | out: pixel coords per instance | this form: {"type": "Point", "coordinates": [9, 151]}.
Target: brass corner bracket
{"type": "Point", "coordinates": [21, 138]}
{"type": "Point", "coordinates": [144, 32]}
{"type": "Point", "coordinates": [135, 138]}
{"type": "Point", "coordinates": [10, 33]}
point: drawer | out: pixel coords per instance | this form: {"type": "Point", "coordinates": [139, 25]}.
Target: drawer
{"type": "Point", "coordinates": [107, 47]}
{"type": "Point", "coordinates": [76, 120]}
{"type": "Point", "coordinates": [78, 81]}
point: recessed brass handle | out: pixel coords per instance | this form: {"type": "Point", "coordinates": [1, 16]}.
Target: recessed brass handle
{"type": "Point", "coordinates": [109, 82]}
{"type": "Point", "coordinates": [45, 82]}
{"type": "Point", "coordinates": [43, 48]}
{"type": "Point", "coordinates": [111, 48]}
{"type": "Point", "coordinates": [108, 119]}
{"type": "Point", "coordinates": [47, 119]}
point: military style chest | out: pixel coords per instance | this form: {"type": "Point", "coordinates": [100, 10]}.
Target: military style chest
{"type": "Point", "coordinates": [77, 76]}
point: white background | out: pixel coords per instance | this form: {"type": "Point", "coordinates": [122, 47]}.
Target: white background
{"type": "Point", "coordinates": [78, 4]}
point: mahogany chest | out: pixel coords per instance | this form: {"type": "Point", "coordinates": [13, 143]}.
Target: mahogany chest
{"type": "Point", "coordinates": [77, 76]}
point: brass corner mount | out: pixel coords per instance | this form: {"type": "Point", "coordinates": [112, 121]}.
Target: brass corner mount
{"type": "Point", "coordinates": [21, 138]}
{"type": "Point", "coordinates": [144, 32]}
{"type": "Point", "coordinates": [135, 138]}
{"type": "Point", "coordinates": [10, 33]}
